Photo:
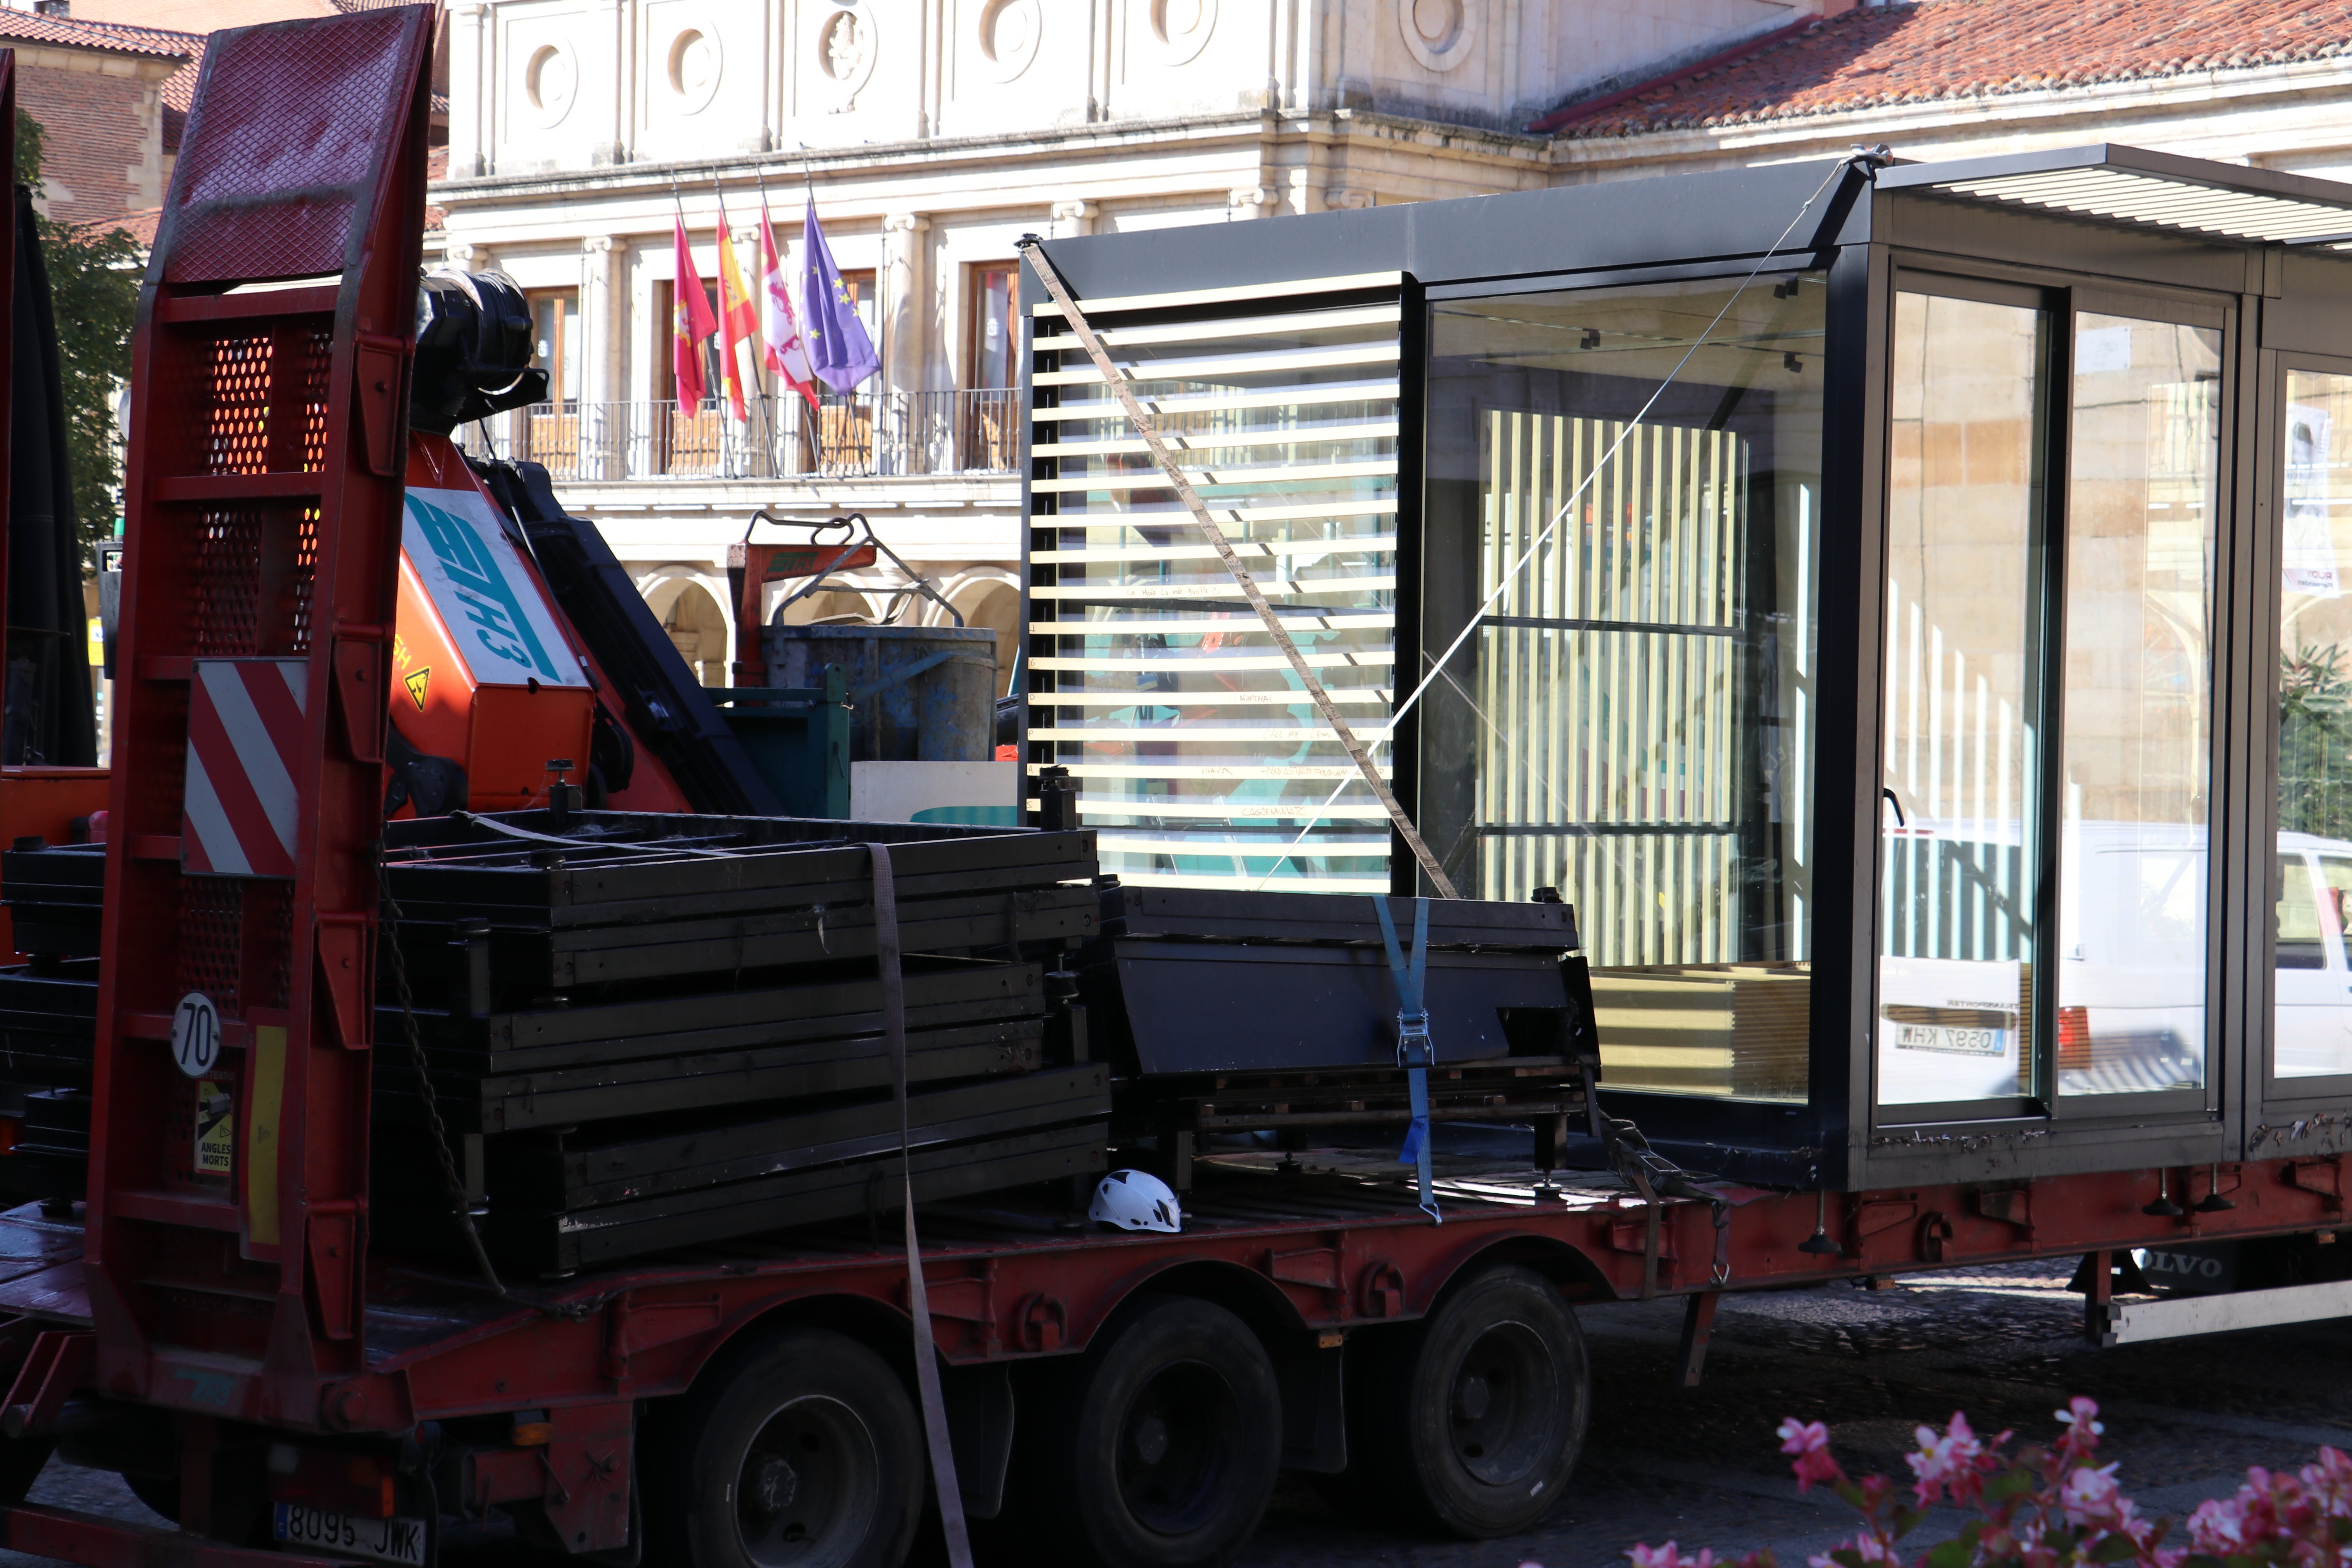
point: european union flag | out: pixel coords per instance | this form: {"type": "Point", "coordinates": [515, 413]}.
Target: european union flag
{"type": "Point", "coordinates": [839, 352]}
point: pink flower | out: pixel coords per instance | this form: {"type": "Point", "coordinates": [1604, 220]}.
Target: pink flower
{"type": "Point", "coordinates": [1664, 1556]}
{"type": "Point", "coordinates": [2082, 1427]}
{"type": "Point", "coordinates": [1949, 1460]}
{"type": "Point", "coordinates": [1803, 1436]}
{"type": "Point", "coordinates": [1810, 1442]}
{"type": "Point", "coordinates": [2090, 1495]}
{"type": "Point", "coordinates": [1869, 1548]}
{"type": "Point", "coordinates": [2218, 1526]}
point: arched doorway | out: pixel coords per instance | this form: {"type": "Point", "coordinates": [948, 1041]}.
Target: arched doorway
{"type": "Point", "coordinates": [993, 603]}
{"type": "Point", "coordinates": [697, 626]}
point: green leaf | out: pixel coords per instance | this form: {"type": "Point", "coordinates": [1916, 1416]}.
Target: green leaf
{"type": "Point", "coordinates": [1950, 1555]}
{"type": "Point", "coordinates": [2115, 1549]}
{"type": "Point", "coordinates": [1846, 1557]}
{"type": "Point", "coordinates": [2009, 1484]}
{"type": "Point", "coordinates": [1851, 1495]}
{"type": "Point", "coordinates": [1905, 1521]}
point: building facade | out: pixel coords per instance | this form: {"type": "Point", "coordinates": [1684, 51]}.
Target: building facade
{"type": "Point", "coordinates": [930, 135]}
{"type": "Point", "coordinates": [99, 93]}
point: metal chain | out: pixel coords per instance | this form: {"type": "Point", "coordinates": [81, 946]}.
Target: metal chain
{"type": "Point", "coordinates": [454, 1182]}
{"type": "Point", "coordinates": [570, 1311]}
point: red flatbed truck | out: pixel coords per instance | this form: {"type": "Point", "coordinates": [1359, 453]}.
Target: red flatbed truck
{"type": "Point", "coordinates": [1440, 1363]}
{"type": "Point", "coordinates": [236, 1351]}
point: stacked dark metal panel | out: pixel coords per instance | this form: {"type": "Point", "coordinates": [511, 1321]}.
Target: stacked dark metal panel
{"type": "Point", "coordinates": [49, 1018]}
{"type": "Point", "coordinates": [1226, 1012]}
{"type": "Point", "coordinates": [647, 1032]}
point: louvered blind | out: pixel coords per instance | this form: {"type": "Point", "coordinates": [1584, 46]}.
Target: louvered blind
{"type": "Point", "coordinates": [1200, 759]}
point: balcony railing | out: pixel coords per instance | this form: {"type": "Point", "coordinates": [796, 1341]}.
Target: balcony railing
{"type": "Point", "coordinates": [857, 437]}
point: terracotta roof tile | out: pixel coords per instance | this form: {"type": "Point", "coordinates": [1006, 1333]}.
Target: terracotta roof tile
{"type": "Point", "coordinates": [141, 225]}
{"type": "Point", "coordinates": [1934, 50]}
{"type": "Point", "coordinates": [32, 27]}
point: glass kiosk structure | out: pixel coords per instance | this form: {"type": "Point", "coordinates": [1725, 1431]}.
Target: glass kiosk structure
{"type": "Point", "coordinates": [1906, 610]}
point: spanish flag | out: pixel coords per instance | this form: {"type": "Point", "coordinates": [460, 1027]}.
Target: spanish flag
{"type": "Point", "coordinates": [738, 317]}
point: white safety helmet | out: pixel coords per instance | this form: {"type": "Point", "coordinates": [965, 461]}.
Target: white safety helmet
{"type": "Point", "coordinates": [1136, 1200]}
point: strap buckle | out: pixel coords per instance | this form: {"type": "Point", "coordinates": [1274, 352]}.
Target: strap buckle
{"type": "Point", "coordinates": [1413, 1049]}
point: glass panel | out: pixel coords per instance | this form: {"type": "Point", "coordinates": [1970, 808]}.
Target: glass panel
{"type": "Point", "coordinates": [992, 327]}
{"type": "Point", "coordinates": [2314, 740]}
{"type": "Point", "coordinates": [1200, 759]}
{"type": "Point", "coordinates": [1632, 724]}
{"type": "Point", "coordinates": [2142, 496]}
{"type": "Point", "coordinates": [1967, 564]}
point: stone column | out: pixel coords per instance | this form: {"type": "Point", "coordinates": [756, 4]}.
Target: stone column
{"type": "Point", "coordinates": [1072, 219]}
{"type": "Point", "coordinates": [907, 304]}
{"type": "Point", "coordinates": [902, 430]}
{"type": "Point", "coordinates": [1346, 198]}
{"type": "Point", "coordinates": [469, 91]}
{"type": "Point", "coordinates": [604, 322]}
{"type": "Point", "coordinates": [607, 60]}
{"type": "Point", "coordinates": [1249, 201]}
{"type": "Point", "coordinates": [1302, 191]}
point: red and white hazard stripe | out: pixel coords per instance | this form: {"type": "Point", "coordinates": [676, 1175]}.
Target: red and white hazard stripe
{"type": "Point", "coordinates": [245, 733]}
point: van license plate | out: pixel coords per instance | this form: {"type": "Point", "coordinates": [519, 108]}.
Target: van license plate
{"type": "Point", "coordinates": [378, 1539]}
{"type": "Point", "coordinates": [1955, 1041]}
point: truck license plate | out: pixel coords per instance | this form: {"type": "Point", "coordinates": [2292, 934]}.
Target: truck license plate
{"type": "Point", "coordinates": [378, 1539]}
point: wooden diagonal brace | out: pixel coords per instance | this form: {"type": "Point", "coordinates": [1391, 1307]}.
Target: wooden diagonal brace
{"type": "Point", "coordinates": [1117, 383]}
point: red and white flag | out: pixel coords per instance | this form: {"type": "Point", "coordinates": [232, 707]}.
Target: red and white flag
{"type": "Point", "coordinates": [691, 325]}
{"type": "Point", "coordinates": [779, 324]}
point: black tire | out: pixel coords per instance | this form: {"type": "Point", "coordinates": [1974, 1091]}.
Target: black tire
{"type": "Point", "coordinates": [798, 1449]}
{"type": "Point", "coordinates": [1160, 1448]}
{"type": "Point", "coordinates": [1470, 1422]}
{"type": "Point", "coordinates": [22, 1460]}
{"type": "Point", "coordinates": [160, 1493]}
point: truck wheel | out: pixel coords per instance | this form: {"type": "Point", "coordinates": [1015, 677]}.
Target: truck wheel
{"type": "Point", "coordinates": [800, 1451]}
{"type": "Point", "coordinates": [1471, 1422]}
{"type": "Point", "coordinates": [1162, 1447]}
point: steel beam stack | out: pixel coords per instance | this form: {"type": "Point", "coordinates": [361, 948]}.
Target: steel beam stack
{"type": "Point", "coordinates": [647, 1032]}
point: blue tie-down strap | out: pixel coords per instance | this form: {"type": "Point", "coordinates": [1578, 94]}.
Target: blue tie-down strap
{"type": "Point", "coordinates": [1413, 1053]}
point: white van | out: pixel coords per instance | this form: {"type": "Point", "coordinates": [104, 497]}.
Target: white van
{"type": "Point", "coordinates": [2314, 982]}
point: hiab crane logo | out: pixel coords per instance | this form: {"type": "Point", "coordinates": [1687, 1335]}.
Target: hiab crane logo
{"type": "Point", "coordinates": [476, 579]}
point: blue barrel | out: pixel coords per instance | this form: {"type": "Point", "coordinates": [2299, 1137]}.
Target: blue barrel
{"type": "Point", "coordinates": [924, 694]}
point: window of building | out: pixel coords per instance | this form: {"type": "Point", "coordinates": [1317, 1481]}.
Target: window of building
{"type": "Point", "coordinates": [992, 296]}
{"type": "Point", "coordinates": [555, 341]}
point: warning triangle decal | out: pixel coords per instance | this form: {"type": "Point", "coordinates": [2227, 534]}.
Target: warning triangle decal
{"type": "Point", "coordinates": [416, 683]}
